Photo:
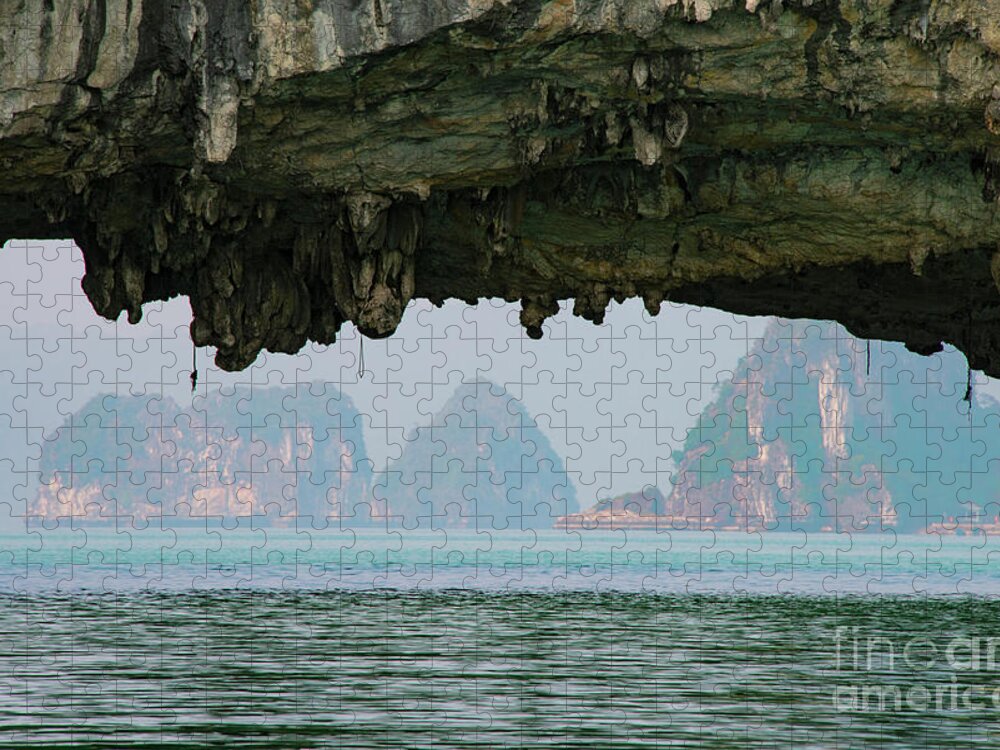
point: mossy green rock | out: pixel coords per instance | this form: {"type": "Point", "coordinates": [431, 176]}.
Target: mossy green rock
{"type": "Point", "coordinates": [292, 165]}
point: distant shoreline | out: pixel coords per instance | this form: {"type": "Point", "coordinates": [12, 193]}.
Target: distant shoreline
{"type": "Point", "coordinates": [593, 521]}
{"type": "Point", "coordinates": [572, 522]}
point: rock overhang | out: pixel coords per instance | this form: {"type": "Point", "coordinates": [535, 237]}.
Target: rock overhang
{"type": "Point", "coordinates": [292, 166]}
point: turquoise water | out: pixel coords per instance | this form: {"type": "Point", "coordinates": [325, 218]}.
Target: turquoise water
{"type": "Point", "coordinates": [272, 638]}
{"type": "Point", "coordinates": [103, 559]}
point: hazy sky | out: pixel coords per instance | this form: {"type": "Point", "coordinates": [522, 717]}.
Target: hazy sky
{"type": "Point", "coordinates": [614, 399]}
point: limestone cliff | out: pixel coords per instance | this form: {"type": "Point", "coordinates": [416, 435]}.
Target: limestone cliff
{"type": "Point", "coordinates": [291, 164]}
{"type": "Point", "coordinates": [283, 455]}
{"type": "Point", "coordinates": [813, 432]}
{"type": "Point", "coordinates": [297, 456]}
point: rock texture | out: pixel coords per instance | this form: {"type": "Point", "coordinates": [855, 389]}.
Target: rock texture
{"type": "Point", "coordinates": [292, 164]}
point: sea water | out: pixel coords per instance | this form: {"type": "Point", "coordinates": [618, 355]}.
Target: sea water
{"type": "Point", "coordinates": [283, 637]}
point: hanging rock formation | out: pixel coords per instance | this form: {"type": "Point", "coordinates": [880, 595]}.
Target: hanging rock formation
{"type": "Point", "coordinates": [290, 165]}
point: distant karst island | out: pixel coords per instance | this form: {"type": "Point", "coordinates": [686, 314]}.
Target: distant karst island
{"type": "Point", "coordinates": [816, 431]}
{"type": "Point", "coordinates": [297, 455]}
{"type": "Point", "coordinates": [811, 430]}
